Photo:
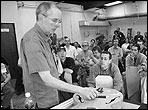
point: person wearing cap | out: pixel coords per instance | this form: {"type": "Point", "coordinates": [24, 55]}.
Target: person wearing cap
{"type": "Point", "coordinates": [40, 73]}
{"type": "Point", "coordinates": [69, 74]}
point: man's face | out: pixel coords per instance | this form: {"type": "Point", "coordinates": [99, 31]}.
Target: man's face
{"type": "Point", "coordinates": [140, 43]}
{"type": "Point", "coordinates": [96, 54]}
{"type": "Point", "coordinates": [62, 54]}
{"type": "Point", "coordinates": [105, 61]}
{"type": "Point", "coordinates": [116, 42]}
{"type": "Point", "coordinates": [85, 46]}
{"type": "Point", "coordinates": [138, 33]}
{"type": "Point", "coordinates": [51, 21]}
{"type": "Point", "coordinates": [134, 51]}
{"type": "Point", "coordinates": [67, 41]}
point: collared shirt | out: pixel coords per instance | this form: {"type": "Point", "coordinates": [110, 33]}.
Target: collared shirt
{"type": "Point", "coordinates": [71, 51]}
{"type": "Point", "coordinates": [36, 56]}
{"type": "Point", "coordinates": [116, 51]}
{"type": "Point", "coordinates": [112, 71]}
{"type": "Point", "coordinates": [140, 59]}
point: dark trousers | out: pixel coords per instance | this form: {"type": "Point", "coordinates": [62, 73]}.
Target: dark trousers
{"type": "Point", "coordinates": [19, 80]}
{"type": "Point", "coordinates": [8, 92]}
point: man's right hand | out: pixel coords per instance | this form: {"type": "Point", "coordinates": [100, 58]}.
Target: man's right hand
{"type": "Point", "coordinates": [89, 93]}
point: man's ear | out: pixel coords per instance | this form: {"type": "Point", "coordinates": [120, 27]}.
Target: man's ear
{"type": "Point", "coordinates": [40, 16]}
{"type": "Point", "coordinates": [110, 60]}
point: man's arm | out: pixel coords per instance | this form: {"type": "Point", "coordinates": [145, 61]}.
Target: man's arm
{"type": "Point", "coordinates": [61, 85]}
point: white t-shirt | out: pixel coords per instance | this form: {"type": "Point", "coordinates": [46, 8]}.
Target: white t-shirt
{"type": "Point", "coordinates": [124, 46]}
{"type": "Point", "coordinates": [71, 52]}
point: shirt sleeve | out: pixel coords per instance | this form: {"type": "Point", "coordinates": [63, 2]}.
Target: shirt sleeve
{"type": "Point", "coordinates": [75, 53]}
{"type": "Point", "coordinates": [128, 61]}
{"type": "Point", "coordinates": [35, 57]}
{"type": "Point", "coordinates": [117, 78]}
{"type": "Point", "coordinates": [144, 61]}
{"type": "Point", "coordinates": [120, 53]}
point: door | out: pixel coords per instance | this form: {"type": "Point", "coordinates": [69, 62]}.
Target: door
{"type": "Point", "coordinates": [9, 49]}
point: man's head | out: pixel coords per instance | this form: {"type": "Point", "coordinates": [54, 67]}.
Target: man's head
{"type": "Point", "coordinates": [85, 45]}
{"type": "Point", "coordinates": [118, 29]}
{"type": "Point", "coordinates": [67, 41]}
{"type": "Point", "coordinates": [106, 58]}
{"type": "Point", "coordinates": [61, 53]}
{"type": "Point", "coordinates": [96, 52]}
{"type": "Point", "coordinates": [115, 42]}
{"type": "Point", "coordinates": [92, 41]}
{"type": "Point", "coordinates": [138, 32]}
{"type": "Point", "coordinates": [48, 17]}
{"type": "Point", "coordinates": [140, 43]}
{"type": "Point", "coordinates": [135, 49]}
{"type": "Point", "coordinates": [76, 44]}
{"type": "Point", "coordinates": [145, 34]}
{"type": "Point", "coordinates": [116, 32]}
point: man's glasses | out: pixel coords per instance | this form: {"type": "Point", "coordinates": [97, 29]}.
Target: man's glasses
{"type": "Point", "coordinates": [55, 20]}
{"type": "Point", "coordinates": [84, 45]}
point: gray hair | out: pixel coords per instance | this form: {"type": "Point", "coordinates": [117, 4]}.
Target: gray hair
{"type": "Point", "coordinates": [43, 8]}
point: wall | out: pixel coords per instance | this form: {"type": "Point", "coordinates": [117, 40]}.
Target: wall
{"type": "Point", "coordinates": [24, 19]}
{"type": "Point", "coordinates": [137, 23]}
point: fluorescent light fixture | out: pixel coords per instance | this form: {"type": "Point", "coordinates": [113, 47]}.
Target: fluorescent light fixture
{"type": "Point", "coordinates": [113, 3]}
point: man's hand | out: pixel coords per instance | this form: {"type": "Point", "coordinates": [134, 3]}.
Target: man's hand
{"type": "Point", "coordinates": [89, 93]}
{"type": "Point", "coordinates": [67, 70]}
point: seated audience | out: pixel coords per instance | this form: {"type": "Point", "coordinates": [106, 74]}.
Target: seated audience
{"type": "Point", "coordinates": [117, 55]}
{"type": "Point", "coordinates": [135, 58]}
{"type": "Point", "coordinates": [124, 47]}
{"type": "Point", "coordinates": [78, 47]}
{"type": "Point", "coordinates": [143, 48]}
{"type": "Point", "coordinates": [138, 37]}
{"type": "Point", "coordinates": [106, 67]}
{"type": "Point", "coordinates": [96, 54]}
{"type": "Point", "coordinates": [103, 45]}
{"type": "Point", "coordinates": [84, 62]}
{"type": "Point", "coordinates": [92, 44]}
{"type": "Point", "coordinates": [145, 39]}
{"type": "Point", "coordinates": [70, 50]}
{"type": "Point", "coordinates": [68, 75]}
{"type": "Point", "coordinates": [109, 44]}
{"type": "Point", "coordinates": [6, 88]}
{"type": "Point", "coordinates": [121, 37]}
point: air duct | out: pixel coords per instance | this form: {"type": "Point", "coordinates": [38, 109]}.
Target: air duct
{"type": "Point", "coordinates": [94, 23]}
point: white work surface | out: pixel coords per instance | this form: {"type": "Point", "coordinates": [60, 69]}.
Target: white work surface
{"type": "Point", "coordinates": [99, 103]}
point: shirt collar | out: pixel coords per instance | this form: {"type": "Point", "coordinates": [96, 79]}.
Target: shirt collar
{"type": "Point", "coordinates": [42, 34]}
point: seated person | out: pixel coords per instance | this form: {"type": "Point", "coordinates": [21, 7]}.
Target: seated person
{"type": "Point", "coordinates": [143, 48]}
{"type": "Point", "coordinates": [106, 67]}
{"type": "Point", "coordinates": [6, 88]}
{"type": "Point", "coordinates": [83, 62]}
{"type": "Point", "coordinates": [139, 60]}
{"type": "Point", "coordinates": [96, 54]}
{"type": "Point", "coordinates": [135, 58]}
{"type": "Point", "coordinates": [68, 75]}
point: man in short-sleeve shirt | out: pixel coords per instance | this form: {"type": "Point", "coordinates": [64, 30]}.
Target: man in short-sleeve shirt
{"type": "Point", "coordinates": [40, 73]}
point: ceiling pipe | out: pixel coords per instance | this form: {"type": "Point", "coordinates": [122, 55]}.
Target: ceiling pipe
{"type": "Point", "coordinates": [126, 16]}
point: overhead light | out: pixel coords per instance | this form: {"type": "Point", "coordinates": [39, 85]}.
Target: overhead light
{"type": "Point", "coordinates": [113, 3]}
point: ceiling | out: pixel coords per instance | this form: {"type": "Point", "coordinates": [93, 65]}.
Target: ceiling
{"type": "Point", "coordinates": [87, 4]}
